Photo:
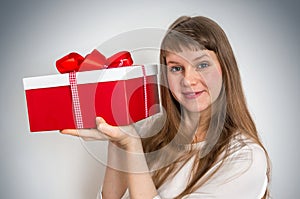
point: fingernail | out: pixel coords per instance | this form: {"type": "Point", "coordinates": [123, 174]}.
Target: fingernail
{"type": "Point", "coordinates": [98, 119]}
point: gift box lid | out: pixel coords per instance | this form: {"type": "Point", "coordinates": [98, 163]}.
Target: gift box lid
{"type": "Point", "coordinates": [85, 77]}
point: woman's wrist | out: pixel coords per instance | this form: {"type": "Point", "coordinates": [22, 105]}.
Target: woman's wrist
{"type": "Point", "coordinates": [134, 146]}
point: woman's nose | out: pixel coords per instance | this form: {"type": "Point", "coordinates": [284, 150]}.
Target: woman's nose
{"type": "Point", "coordinates": [190, 77]}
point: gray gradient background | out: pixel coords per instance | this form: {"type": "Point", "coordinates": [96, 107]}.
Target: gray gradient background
{"type": "Point", "coordinates": [33, 34]}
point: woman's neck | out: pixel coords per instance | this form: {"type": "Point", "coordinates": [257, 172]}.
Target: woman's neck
{"type": "Point", "coordinates": [195, 124]}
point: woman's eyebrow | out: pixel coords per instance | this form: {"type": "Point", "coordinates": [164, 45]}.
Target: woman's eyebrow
{"type": "Point", "coordinates": [200, 57]}
{"type": "Point", "coordinates": [173, 62]}
{"type": "Point", "coordinates": [196, 59]}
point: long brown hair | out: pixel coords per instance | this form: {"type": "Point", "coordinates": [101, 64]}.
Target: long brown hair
{"type": "Point", "coordinates": [229, 118]}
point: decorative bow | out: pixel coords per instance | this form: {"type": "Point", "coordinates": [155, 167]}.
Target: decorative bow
{"type": "Point", "coordinates": [93, 61]}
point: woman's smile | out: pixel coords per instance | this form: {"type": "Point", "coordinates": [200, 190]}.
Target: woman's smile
{"type": "Point", "coordinates": [192, 94]}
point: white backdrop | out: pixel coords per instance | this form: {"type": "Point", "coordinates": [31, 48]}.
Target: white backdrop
{"type": "Point", "coordinates": [265, 38]}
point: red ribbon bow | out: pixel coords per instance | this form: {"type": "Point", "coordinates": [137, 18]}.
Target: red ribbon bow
{"type": "Point", "coordinates": [93, 61]}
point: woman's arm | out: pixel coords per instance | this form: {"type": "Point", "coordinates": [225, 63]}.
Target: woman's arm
{"type": "Point", "coordinates": [140, 183]}
{"type": "Point", "coordinates": [127, 166]}
{"type": "Point", "coordinates": [115, 183]}
{"type": "Point", "coordinates": [127, 156]}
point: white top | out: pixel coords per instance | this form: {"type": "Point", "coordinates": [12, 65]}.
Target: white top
{"type": "Point", "coordinates": [242, 175]}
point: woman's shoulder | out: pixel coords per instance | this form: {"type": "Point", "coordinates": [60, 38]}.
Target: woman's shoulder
{"type": "Point", "coordinates": [244, 149]}
{"type": "Point", "coordinates": [242, 142]}
{"type": "Point", "coordinates": [241, 172]}
{"type": "Point", "coordinates": [244, 164]}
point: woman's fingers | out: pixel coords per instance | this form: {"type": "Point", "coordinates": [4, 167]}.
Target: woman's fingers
{"type": "Point", "coordinates": [105, 128]}
{"type": "Point", "coordinates": [125, 137]}
{"type": "Point", "coordinates": [103, 131]}
{"type": "Point", "coordinates": [69, 132]}
{"type": "Point", "coordinates": [86, 134]}
{"type": "Point", "coordinates": [114, 132]}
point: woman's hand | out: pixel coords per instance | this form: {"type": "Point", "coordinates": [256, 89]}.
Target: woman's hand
{"type": "Point", "coordinates": [125, 137]}
{"type": "Point", "coordinates": [127, 167]}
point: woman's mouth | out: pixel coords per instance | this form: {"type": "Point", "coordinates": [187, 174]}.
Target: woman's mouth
{"type": "Point", "coordinates": [192, 95]}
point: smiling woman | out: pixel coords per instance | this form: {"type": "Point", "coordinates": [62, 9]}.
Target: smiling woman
{"type": "Point", "coordinates": [208, 146]}
{"type": "Point", "coordinates": [194, 78]}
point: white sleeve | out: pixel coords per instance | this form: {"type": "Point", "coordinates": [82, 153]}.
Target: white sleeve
{"type": "Point", "coordinates": [242, 176]}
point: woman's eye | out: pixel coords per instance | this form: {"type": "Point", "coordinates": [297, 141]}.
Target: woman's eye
{"type": "Point", "coordinates": [202, 65]}
{"type": "Point", "coordinates": [176, 68]}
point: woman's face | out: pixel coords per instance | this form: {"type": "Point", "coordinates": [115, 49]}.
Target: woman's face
{"type": "Point", "coordinates": [194, 77]}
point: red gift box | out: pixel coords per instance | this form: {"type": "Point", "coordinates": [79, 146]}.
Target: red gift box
{"type": "Point", "coordinates": [120, 95]}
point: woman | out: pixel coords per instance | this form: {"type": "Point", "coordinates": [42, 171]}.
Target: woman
{"type": "Point", "coordinates": [208, 146]}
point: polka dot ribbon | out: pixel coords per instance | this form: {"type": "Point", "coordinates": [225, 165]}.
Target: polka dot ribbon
{"type": "Point", "coordinates": [145, 91]}
{"type": "Point", "coordinates": [75, 100]}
